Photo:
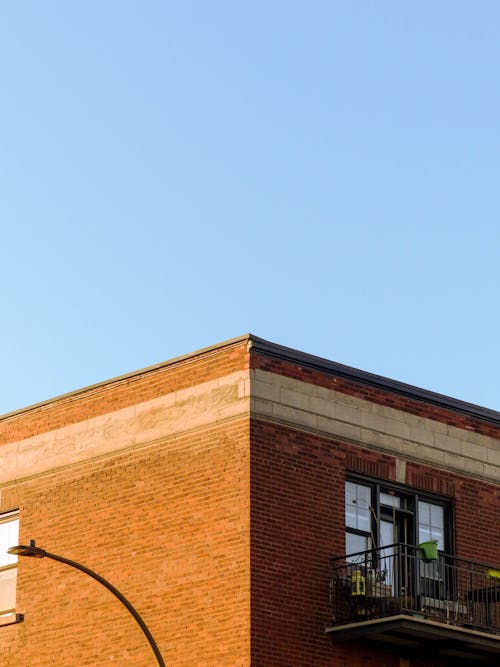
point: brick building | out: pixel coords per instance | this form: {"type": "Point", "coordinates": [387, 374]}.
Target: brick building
{"type": "Point", "coordinates": [257, 505]}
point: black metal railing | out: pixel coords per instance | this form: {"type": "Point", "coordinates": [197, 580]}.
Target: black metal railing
{"type": "Point", "coordinates": [396, 579]}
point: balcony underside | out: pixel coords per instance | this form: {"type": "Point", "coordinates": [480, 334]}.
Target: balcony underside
{"type": "Point", "coordinates": [414, 635]}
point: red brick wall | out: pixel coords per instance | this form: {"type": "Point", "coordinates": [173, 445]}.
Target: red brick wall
{"type": "Point", "coordinates": [121, 393]}
{"type": "Point", "coordinates": [167, 525]}
{"type": "Point", "coordinates": [476, 510]}
{"type": "Point", "coordinates": [363, 391]}
{"type": "Point", "coordinates": [297, 525]}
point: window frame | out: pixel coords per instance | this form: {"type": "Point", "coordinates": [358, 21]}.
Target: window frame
{"type": "Point", "coordinates": [415, 496]}
{"type": "Point", "coordinates": [7, 517]}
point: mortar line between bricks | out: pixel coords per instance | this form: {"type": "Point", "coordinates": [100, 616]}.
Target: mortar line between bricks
{"type": "Point", "coordinates": [376, 448]}
{"type": "Point", "coordinates": [136, 447]}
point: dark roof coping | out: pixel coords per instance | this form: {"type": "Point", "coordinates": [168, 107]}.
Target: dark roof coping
{"type": "Point", "coordinates": [273, 350]}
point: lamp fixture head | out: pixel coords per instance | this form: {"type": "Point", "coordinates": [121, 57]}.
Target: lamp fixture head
{"type": "Point", "coordinates": [31, 551]}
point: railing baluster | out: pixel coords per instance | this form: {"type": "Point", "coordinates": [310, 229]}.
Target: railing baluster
{"type": "Point", "coordinates": [394, 579]}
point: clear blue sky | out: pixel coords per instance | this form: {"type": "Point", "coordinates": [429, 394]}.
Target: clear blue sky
{"type": "Point", "coordinates": [323, 174]}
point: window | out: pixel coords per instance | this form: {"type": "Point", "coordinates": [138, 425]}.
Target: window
{"type": "Point", "coordinates": [431, 523]}
{"type": "Point", "coordinates": [357, 518]}
{"type": "Point", "coordinates": [9, 532]}
{"type": "Point", "coordinates": [384, 525]}
{"type": "Point", "coordinates": [379, 515]}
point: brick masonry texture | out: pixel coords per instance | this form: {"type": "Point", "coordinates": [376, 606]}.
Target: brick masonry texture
{"type": "Point", "coordinates": [312, 407]}
{"type": "Point", "coordinates": [210, 491]}
{"type": "Point", "coordinates": [308, 431]}
{"type": "Point", "coordinates": [358, 389]}
{"type": "Point", "coordinates": [136, 426]}
{"type": "Point", "coordinates": [163, 514]}
{"type": "Point", "coordinates": [168, 527]}
{"type": "Point", "coordinates": [123, 392]}
{"type": "Point", "coordinates": [297, 525]}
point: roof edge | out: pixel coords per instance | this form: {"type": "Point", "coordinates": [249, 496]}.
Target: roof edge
{"type": "Point", "coordinates": [283, 353]}
{"type": "Point", "coordinates": [291, 355]}
{"type": "Point", "coordinates": [126, 376]}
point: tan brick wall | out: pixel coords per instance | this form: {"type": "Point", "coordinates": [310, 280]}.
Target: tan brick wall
{"type": "Point", "coordinates": [131, 427]}
{"type": "Point", "coordinates": [378, 395]}
{"type": "Point", "coordinates": [312, 407]}
{"type": "Point", "coordinates": [129, 390]}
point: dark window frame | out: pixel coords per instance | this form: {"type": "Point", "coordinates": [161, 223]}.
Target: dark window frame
{"type": "Point", "coordinates": [410, 493]}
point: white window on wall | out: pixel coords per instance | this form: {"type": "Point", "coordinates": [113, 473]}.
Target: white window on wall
{"type": "Point", "coordinates": [431, 523]}
{"type": "Point", "coordinates": [357, 518]}
{"type": "Point", "coordinates": [9, 536]}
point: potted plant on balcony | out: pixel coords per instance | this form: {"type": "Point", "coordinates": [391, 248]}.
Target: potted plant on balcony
{"type": "Point", "coordinates": [429, 551]}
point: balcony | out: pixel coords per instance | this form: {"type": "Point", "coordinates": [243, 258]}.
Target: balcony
{"type": "Point", "coordinates": [449, 607]}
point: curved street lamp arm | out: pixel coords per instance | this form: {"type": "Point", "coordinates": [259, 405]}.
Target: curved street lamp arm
{"type": "Point", "coordinates": [118, 595]}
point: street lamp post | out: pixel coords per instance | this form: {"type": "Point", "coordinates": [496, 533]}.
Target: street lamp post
{"type": "Point", "coordinates": [32, 551]}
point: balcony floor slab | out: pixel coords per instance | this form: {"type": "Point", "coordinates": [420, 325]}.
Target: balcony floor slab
{"type": "Point", "coordinates": [423, 635]}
